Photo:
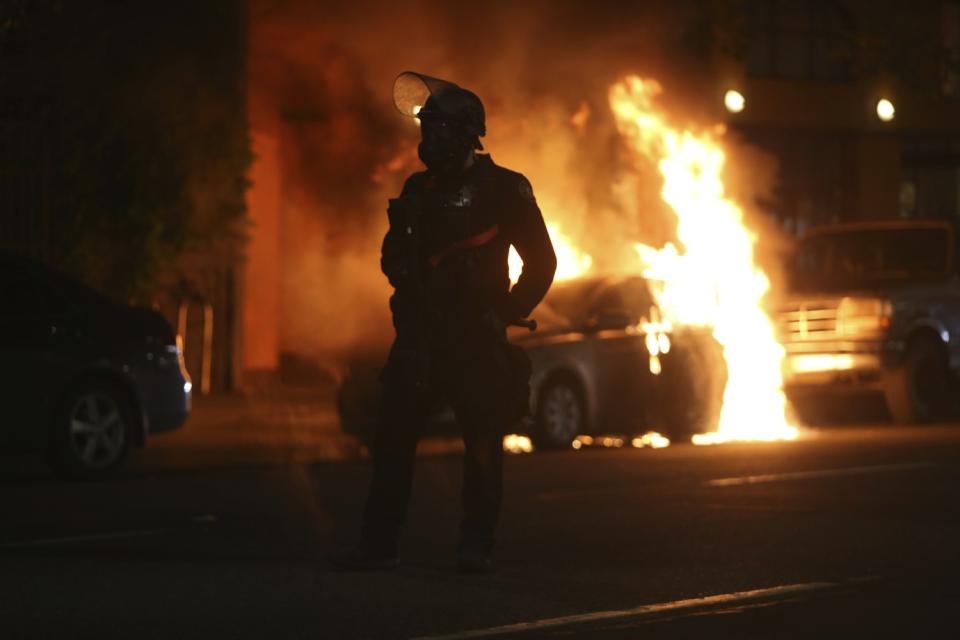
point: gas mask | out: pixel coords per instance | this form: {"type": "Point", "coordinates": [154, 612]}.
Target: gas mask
{"type": "Point", "coordinates": [444, 148]}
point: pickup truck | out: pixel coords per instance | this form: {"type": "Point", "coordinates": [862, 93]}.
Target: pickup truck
{"type": "Point", "coordinates": [875, 307]}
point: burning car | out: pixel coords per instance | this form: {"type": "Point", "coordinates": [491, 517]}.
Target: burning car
{"type": "Point", "coordinates": [875, 308]}
{"type": "Point", "coordinates": [600, 363]}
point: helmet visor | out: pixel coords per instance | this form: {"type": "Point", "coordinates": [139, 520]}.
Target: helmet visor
{"type": "Point", "coordinates": [411, 91]}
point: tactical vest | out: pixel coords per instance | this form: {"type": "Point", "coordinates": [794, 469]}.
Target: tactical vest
{"type": "Point", "coordinates": [464, 251]}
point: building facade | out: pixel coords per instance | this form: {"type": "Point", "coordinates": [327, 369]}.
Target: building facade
{"type": "Point", "coordinates": [812, 75]}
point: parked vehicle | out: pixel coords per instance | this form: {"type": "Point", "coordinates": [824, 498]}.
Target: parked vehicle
{"type": "Point", "coordinates": [875, 308]}
{"type": "Point", "coordinates": [592, 370]}
{"type": "Point", "coordinates": [82, 379]}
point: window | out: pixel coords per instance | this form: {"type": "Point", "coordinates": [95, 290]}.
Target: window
{"type": "Point", "coordinates": [851, 259]}
{"type": "Point", "coordinates": [800, 39]}
{"type": "Point", "coordinates": [950, 63]}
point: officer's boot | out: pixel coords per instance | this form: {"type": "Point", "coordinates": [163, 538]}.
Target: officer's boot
{"type": "Point", "coordinates": [474, 553]}
{"type": "Point", "coordinates": [361, 559]}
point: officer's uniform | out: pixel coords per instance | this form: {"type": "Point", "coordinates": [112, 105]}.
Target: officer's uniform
{"type": "Point", "coordinates": [451, 338]}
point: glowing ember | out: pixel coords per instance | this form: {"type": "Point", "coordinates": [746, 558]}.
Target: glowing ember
{"type": "Point", "coordinates": [582, 441]}
{"type": "Point", "coordinates": [714, 282]}
{"type": "Point", "coordinates": [571, 262]}
{"type": "Point", "coordinates": [514, 443]}
{"type": "Point", "coordinates": [651, 439]}
{"type": "Point", "coordinates": [602, 441]}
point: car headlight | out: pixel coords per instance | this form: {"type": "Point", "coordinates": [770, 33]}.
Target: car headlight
{"type": "Point", "coordinates": [858, 316]}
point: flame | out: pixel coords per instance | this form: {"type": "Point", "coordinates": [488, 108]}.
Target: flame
{"type": "Point", "coordinates": [571, 262]}
{"type": "Point", "coordinates": [715, 282]}
{"type": "Point", "coordinates": [657, 332]}
{"type": "Point", "coordinates": [514, 443]}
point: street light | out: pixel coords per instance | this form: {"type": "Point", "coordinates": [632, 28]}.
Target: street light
{"type": "Point", "coordinates": [734, 101]}
{"type": "Point", "coordinates": [885, 110]}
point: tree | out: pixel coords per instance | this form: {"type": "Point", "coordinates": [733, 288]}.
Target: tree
{"type": "Point", "coordinates": [146, 132]}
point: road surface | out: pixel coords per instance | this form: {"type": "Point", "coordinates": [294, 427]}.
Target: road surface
{"type": "Point", "coordinates": [851, 531]}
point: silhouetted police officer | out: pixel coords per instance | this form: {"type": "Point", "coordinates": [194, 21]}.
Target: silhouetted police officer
{"type": "Point", "coordinates": [446, 256]}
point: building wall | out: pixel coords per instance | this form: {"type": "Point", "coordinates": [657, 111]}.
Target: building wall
{"type": "Point", "coordinates": [261, 271]}
{"type": "Point", "coordinates": [811, 96]}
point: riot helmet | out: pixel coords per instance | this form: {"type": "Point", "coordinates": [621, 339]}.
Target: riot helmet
{"type": "Point", "coordinates": [451, 120]}
{"type": "Point", "coordinates": [420, 96]}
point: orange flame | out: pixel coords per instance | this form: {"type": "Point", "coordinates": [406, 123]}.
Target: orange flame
{"type": "Point", "coordinates": [715, 282]}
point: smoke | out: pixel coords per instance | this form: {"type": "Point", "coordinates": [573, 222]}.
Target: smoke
{"type": "Point", "coordinates": [320, 79]}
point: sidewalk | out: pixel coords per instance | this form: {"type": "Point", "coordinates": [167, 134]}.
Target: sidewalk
{"type": "Point", "coordinates": [286, 425]}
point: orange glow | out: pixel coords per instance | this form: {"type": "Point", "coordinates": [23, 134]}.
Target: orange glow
{"type": "Point", "coordinates": [815, 362]}
{"type": "Point", "coordinates": [579, 119]}
{"type": "Point", "coordinates": [261, 270]}
{"type": "Point", "coordinates": [714, 282]}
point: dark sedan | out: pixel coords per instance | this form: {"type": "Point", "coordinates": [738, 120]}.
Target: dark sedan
{"type": "Point", "coordinates": [83, 379]}
{"type": "Point", "coordinates": [595, 369]}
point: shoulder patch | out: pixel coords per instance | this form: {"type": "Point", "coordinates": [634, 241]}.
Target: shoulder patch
{"type": "Point", "coordinates": [526, 190]}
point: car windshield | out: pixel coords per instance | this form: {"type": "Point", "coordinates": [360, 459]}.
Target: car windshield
{"type": "Point", "coordinates": [565, 303]}
{"type": "Point", "coordinates": [870, 258]}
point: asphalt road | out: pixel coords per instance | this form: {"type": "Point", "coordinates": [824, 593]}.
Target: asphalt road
{"type": "Point", "coordinates": [848, 532]}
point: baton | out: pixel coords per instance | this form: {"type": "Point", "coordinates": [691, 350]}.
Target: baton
{"type": "Point", "coordinates": [529, 323]}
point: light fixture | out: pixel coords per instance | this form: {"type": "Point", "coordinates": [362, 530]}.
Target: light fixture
{"type": "Point", "coordinates": [885, 110]}
{"type": "Point", "coordinates": [734, 101]}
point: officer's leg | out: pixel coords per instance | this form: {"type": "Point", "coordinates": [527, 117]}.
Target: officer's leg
{"type": "Point", "coordinates": [401, 421]}
{"type": "Point", "coordinates": [482, 480]}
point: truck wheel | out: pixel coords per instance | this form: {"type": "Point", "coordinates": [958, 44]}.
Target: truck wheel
{"type": "Point", "coordinates": [561, 415]}
{"type": "Point", "coordinates": [919, 390]}
{"type": "Point", "coordinates": [92, 432]}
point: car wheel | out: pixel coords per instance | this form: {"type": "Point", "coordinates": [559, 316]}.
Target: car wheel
{"type": "Point", "coordinates": [690, 388]}
{"type": "Point", "coordinates": [92, 431]}
{"type": "Point", "coordinates": [561, 415]}
{"type": "Point", "coordinates": [919, 390]}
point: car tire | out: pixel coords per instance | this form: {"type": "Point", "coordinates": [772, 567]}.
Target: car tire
{"type": "Point", "coordinates": [919, 390]}
{"type": "Point", "coordinates": [92, 431]}
{"type": "Point", "coordinates": [690, 388]}
{"type": "Point", "coordinates": [561, 414]}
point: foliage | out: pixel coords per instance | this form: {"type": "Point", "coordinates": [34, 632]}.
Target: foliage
{"type": "Point", "coordinates": [145, 131]}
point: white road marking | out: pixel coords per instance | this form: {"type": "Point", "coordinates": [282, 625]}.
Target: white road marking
{"type": "Point", "coordinates": [819, 473]}
{"type": "Point", "coordinates": [205, 519]}
{"type": "Point", "coordinates": [641, 611]}
{"type": "Point", "coordinates": [44, 542]}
